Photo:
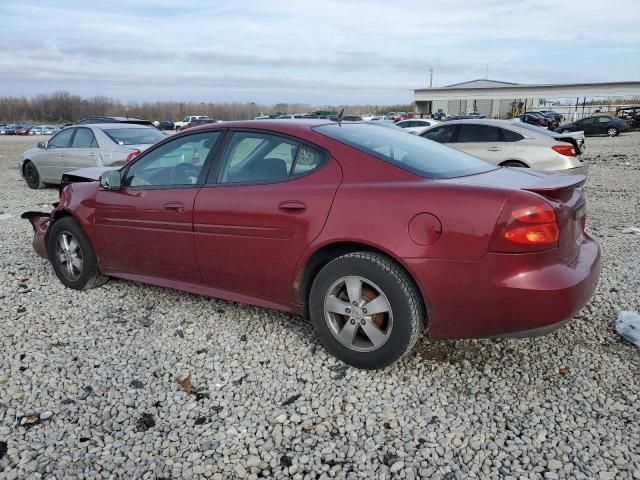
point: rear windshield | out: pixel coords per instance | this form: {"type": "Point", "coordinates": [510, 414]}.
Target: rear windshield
{"type": "Point", "coordinates": [135, 136]}
{"type": "Point", "coordinates": [418, 155]}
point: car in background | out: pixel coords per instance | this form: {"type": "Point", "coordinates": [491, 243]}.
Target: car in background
{"type": "Point", "coordinates": [291, 116]}
{"type": "Point", "coordinates": [596, 125]}
{"type": "Point", "coordinates": [24, 130]}
{"type": "Point", "coordinates": [417, 125]}
{"type": "Point", "coordinates": [12, 129]}
{"type": "Point", "coordinates": [198, 122]}
{"type": "Point", "coordinates": [103, 119]}
{"type": "Point", "coordinates": [50, 129]}
{"type": "Point", "coordinates": [534, 118]}
{"type": "Point", "coordinates": [558, 117]}
{"type": "Point", "coordinates": [187, 120]}
{"type": "Point", "coordinates": [166, 125]}
{"type": "Point", "coordinates": [507, 144]}
{"type": "Point", "coordinates": [282, 198]}
{"type": "Point", "coordinates": [37, 130]}
{"type": "Point", "coordinates": [79, 146]}
{"type": "Point", "coordinates": [352, 118]}
{"type": "Point", "coordinates": [463, 116]}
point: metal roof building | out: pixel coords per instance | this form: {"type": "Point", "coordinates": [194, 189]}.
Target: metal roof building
{"type": "Point", "coordinates": [497, 99]}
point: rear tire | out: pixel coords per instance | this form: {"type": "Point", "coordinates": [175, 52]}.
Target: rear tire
{"type": "Point", "coordinates": [32, 176]}
{"type": "Point", "coordinates": [72, 256]}
{"type": "Point", "coordinates": [513, 163]}
{"type": "Point", "coordinates": [340, 295]}
{"type": "Point", "coordinates": [613, 132]}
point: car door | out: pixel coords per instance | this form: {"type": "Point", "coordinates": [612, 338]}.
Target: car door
{"type": "Point", "coordinates": [84, 150]}
{"type": "Point", "coordinates": [267, 201]}
{"type": "Point", "coordinates": [602, 124]}
{"type": "Point", "coordinates": [587, 125]}
{"type": "Point", "coordinates": [482, 141]}
{"type": "Point", "coordinates": [51, 161]}
{"type": "Point", "coordinates": [146, 227]}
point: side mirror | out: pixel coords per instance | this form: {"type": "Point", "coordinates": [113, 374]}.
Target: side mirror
{"type": "Point", "coordinates": [110, 180]}
{"type": "Point", "coordinates": [41, 145]}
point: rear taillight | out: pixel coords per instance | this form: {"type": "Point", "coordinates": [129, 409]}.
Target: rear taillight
{"type": "Point", "coordinates": [567, 150]}
{"type": "Point", "coordinates": [527, 224]}
{"type": "Point", "coordinates": [133, 155]}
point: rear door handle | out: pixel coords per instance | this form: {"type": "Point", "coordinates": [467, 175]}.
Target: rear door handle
{"type": "Point", "coordinates": [494, 149]}
{"type": "Point", "coordinates": [292, 206]}
{"type": "Point", "coordinates": [92, 154]}
{"type": "Point", "coordinates": [175, 207]}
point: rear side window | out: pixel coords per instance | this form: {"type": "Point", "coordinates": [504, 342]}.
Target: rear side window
{"type": "Point", "coordinates": [409, 152]}
{"type": "Point", "coordinates": [253, 157]}
{"type": "Point", "coordinates": [84, 138]}
{"type": "Point", "coordinates": [604, 120]}
{"type": "Point", "coordinates": [443, 134]}
{"type": "Point", "coordinates": [134, 136]}
{"type": "Point", "coordinates": [470, 133]}
{"type": "Point", "coordinates": [511, 136]}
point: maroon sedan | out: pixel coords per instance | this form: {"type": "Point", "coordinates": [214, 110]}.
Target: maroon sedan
{"type": "Point", "coordinates": [374, 233]}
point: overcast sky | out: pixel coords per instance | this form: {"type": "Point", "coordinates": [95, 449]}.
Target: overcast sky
{"type": "Point", "coordinates": [317, 52]}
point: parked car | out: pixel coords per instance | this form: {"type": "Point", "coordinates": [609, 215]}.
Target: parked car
{"type": "Point", "coordinates": [509, 144]}
{"type": "Point", "coordinates": [598, 125]}
{"type": "Point", "coordinates": [104, 144]}
{"type": "Point", "coordinates": [50, 130]}
{"type": "Point", "coordinates": [37, 130]}
{"type": "Point", "coordinates": [472, 250]}
{"type": "Point", "coordinates": [533, 118]}
{"type": "Point", "coordinates": [558, 117]}
{"type": "Point", "coordinates": [352, 118]}
{"type": "Point", "coordinates": [166, 125]}
{"type": "Point", "coordinates": [417, 125]}
{"type": "Point", "coordinates": [24, 130]}
{"type": "Point", "coordinates": [196, 123]}
{"type": "Point", "coordinates": [12, 129]}
{"type": "Point", "coordinates": [99, 119]}
{"type": "Point", "coordinates": [187, 120]}
{"type": "Point", "coordinates": [290, 116]}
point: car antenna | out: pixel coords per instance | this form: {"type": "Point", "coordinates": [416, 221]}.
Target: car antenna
{"type": "Point", "coordinates": [340, 117]}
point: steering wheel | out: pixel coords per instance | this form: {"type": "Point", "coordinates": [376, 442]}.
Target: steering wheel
{"type": "Point", "coordinates": [185, 174]}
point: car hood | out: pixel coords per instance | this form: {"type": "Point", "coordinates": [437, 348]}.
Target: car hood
{"type": "Point", "coordinates": [91, 174]}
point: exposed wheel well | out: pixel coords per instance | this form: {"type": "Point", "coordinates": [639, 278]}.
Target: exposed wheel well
{"type": "Point", "coordinates": [334, 250]}
{"type": "Point", "coordinates": [514, 163]}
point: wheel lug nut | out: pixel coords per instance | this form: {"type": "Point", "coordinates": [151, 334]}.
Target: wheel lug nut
{"type": "Point", "coordinates": [364, 310]}
{"type": "Point", "coordinates": [347, 310]}
{"type": "Point", "coordinates": [362, 322]}
{"type": "Point", "coordinates": [355, 303]}
{"type": "Point", "coordinates": [353, 321]}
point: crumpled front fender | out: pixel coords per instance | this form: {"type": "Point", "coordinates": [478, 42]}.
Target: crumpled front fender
{"type": "Point", "coordinates": [40, 222]}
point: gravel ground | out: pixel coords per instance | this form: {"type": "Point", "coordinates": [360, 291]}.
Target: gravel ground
{"type": "Point", "coordinates": [264, 400]}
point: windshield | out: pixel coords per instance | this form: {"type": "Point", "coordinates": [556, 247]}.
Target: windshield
{"type": "Point", "coordinates": [415, 154]}
{"type": "Point", "coordinates": [135, 136]}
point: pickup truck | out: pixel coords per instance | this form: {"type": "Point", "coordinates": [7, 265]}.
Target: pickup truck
{"type": "Point", "coordinates": [187, 120]}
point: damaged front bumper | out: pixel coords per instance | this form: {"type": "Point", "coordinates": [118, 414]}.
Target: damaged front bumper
{"type": "Point", "coordinates": [40, 222]}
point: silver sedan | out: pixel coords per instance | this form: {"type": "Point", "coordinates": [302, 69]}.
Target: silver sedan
{"type": "Point", "coordinates": [510, 144]}
{"type": "Point", "coordinates": [104, 144]}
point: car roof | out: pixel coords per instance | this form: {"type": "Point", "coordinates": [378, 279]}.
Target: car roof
{"type": "Point", "coordinates": [290, 125]}
{"type": "Point", "coordinates": [110, 126]}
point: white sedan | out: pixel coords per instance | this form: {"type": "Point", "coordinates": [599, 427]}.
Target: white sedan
{"type": "Point", "coordinates": [511, 144]}
{"type": "Point", "coordinates": [79, 146]}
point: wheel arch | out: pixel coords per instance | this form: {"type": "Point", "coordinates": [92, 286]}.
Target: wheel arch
{"type": "Point", "coordinates": [327, 252]}
{"type": "Point", "coordinates": [524, 164]}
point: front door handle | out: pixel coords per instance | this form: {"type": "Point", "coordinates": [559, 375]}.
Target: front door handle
{"type": "Point", "coordinates": [494, 149]}
{"type": "Point", "coordinates": [92, 154]}
{"type": "Point", "coordinates": [175, 207]}
{"type": "Point", "coordinates": [292, 206]}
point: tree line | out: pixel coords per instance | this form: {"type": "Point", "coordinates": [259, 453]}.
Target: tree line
{"type": "Point", "coordinates": [64, 107]}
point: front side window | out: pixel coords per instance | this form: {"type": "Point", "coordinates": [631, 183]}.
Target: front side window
{"type": "Point", "coordinates": [176, 163]}
{"type": "Point", "coordinates": [84, 138]}
{"type": "Point", "coordinates": [61, 140]}
{"type": "Point", "coordinates": [409, 152]}
{"type": "Point", "coordinates": [443, 134]}
{"type": "Point", "coordinates": [470, 133]}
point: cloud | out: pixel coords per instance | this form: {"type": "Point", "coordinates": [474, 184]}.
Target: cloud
{"type": "Point", "coordinates": [330, 51]}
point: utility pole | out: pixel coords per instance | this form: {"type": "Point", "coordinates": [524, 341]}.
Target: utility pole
{"type": "Point", "coordinates": [430, 77]}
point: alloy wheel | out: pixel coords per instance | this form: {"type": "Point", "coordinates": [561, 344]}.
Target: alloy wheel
{"type": "Point", "coordinates": [612, 132]}
{"type": "Point", "coordinates": [358, 313]}
{"type": "Point", "coordinates": [69, 256]}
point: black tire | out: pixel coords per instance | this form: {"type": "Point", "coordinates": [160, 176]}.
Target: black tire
{"type": "Point", "coordinates": [613, 132]}
{"type": "Point", "coordinates": [406, 310]}
{"type": "Point", "coordinates": [514, 163]}
{"type": "Point", "coordinates": [88, 275]}
{"type": "Point", "coordinates": [32, 176]}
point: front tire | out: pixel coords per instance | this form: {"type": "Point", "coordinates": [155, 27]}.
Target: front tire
{"type": "Point", "coordinates": [366, 310]}
{"type": "Point", "coordinates": [613, 132]}
{"type": "Point", "coordinates": [32, 176]}
{"type": "Point", "coordinates": [72, 256]}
